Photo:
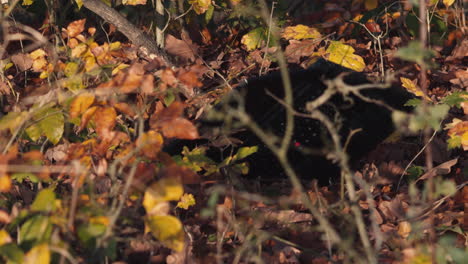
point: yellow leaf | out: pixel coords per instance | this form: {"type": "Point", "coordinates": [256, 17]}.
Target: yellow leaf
{"type": "Point", "coordinates": [39, 53]}
{"type": "Point", "coordinates": [79, 50]}
{"type": "Point", "coordinates": [27, 2]}
{"type": "Point", "coordinates": [371, 4]}
{"type": "Point", "coordinates": [39, 64]}
{"type": "Point", "coordinates": [134, 2]}
{"type": "Point", "coordinates": [80, 104]}
{"type": "Point", "coordinates": [5, 183]}
{"type": "Point", "coordinates": [464, 141]}
{"type": "Point", "coordinates": [343, 55]}
{"type": "Point", "coordinates": [186, 201]}
{"type": "Point", "coordinates": [167, 189]}
{"type": "Point", "coordinates": [448, 3]}
{"type": "Point", "coordinates": [254, 39]}
{"type": "Point", "coordinates": [103, 220]}
{"type": "Point", "coordinates": [39, 254]}
{"type": "Point", "coordinates": [413, 88]}
{"type": "Point", "coordinates": [301, 32]}
{"type": "Point", "coordinates": [200, 6]}
{"type": "Point", "coordinates": [114, 46]}
{"type": "Point", "coordinates": [119, 67]}
{"type": "Point", "coordinates": [4, 237]}
{"type": "Point", "coordinates": [168, 230]}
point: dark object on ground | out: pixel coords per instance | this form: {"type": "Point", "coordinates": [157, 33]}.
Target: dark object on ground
{"type": "Point", "coordinates": [310, 136]}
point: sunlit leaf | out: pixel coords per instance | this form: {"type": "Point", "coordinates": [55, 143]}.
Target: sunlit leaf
{"type": "Point", "coordinates": [5, 183]}
{"type": "Point", "coordinates": [200, 6]}
{"type": "Point", "coordinates": [166, 189]}
{"type": "Point", "coordinates": [150, 143]}
{"type": "Point", "coordinates": [76, 27]}
{"type": "Point", "coordinates": [301, 32]}
{"type": "Point", "coordinates": [168, 230]}
{"type": "Point", "coordinates": [80, 104]}
{"type": "Point", "coordinates": [343, 55]}
{"type": "Point", "coordinates": [186, 201]}
{"type": "Point", "coordinates": [412, 87]}
{"type": "Point", "coordinates": [39, 254]}
{"type": "Point", "coordinates": [44, 201]}
{"type": "Point", "coordinates": [448, 3]}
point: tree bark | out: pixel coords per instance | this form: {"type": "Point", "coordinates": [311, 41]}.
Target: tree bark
{"type": "Point", "coordinates": [134, 34]}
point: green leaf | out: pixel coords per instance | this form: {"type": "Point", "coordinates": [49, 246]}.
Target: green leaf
{"type": "Point", "coordinates": [21, 176]}
{"type": "Point", "coordinates": [12, 253]}
{"type": "Point", "coordinates": [454, 142]}
{"type": "Point", "coordinates": [34, 132]}
{"type": "Point", "coordinates": [45, 201]}
{"type": "Point", "coordinates": [244, 152]}
{"type": "Point", "coordinates": [413, 52]}
{"type": "Point", "coordinates": [36, 229]}
{"type": "Point", "coordinates": [12, 121]}
{"type": "Point", "coordinates": [89, 233]}
{"type": "Point", "coordinates": [413, 102]}
{"type": "Point", "coordinates": [53, 125]}
{"type": "Point", "coordinates": [455, 99]}
{"type": "Point", "coordinates": [49, 122]}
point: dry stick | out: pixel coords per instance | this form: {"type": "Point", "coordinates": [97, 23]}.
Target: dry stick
{"type": "Point", "coordinates": [135, 35]}
{"type": "Point", "coordinates": [423, 34]}
{"type": "Point", "coordinates": [159, 23]}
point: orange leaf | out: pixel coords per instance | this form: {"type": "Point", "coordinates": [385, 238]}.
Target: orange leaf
{"type": "Point", "coordinates": [87, 115]}
{"type": "Point", "coordinates": [105, 118]}
{"type": "Point", "coordinates": [75, 28]}
{"type": "Point", "coordinates": [179, 128]}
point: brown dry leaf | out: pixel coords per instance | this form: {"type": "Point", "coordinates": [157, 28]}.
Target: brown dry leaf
{"type": "Point", "coordinates": [75, 28]}
{"type": "Point", "coordinates": [23, 61]}
{"type": "Point", "coordinates": [179, 48]}
{"type": "Point", "coordinates": [442, 169]}
{"type": "Point", "coordinates": [404, 229]}
{"type": "Point", "coordinates": [184, 174]}
{"type": "Point", "coordinates": [80, 104]}
{"type": "Point", "coordinates": [150, 144]}
{"type": "Point", "coordinates": [105, 119]}
{"type": "Point", "coordinates": [125, 109]}
{"type": "Point", "coordinates": [190, 79]}
{"type": "Point", "coordinates": [298, 49]}
{"type": "Point", "coordinates": [168, 77]}
{"type": "Point", "coordinates": [179, 128]}
{"type": "Point", "coordinates": [461, 79]}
